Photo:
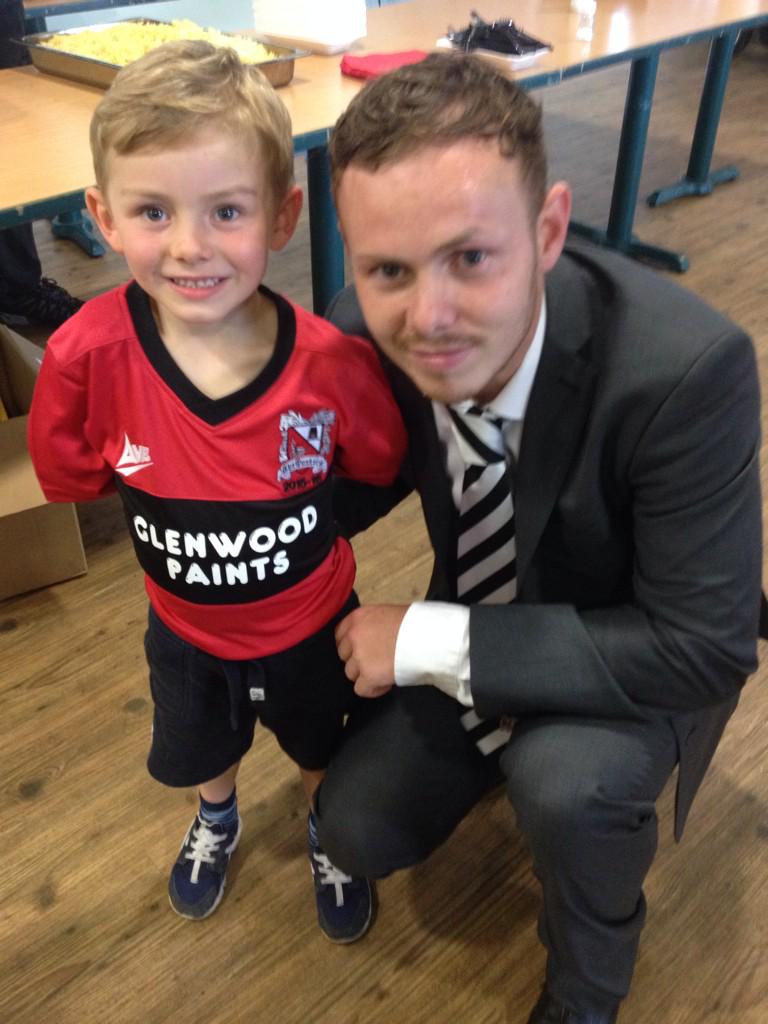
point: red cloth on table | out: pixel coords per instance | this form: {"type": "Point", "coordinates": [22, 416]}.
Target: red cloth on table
{"type": "Point", "coordinates": [373, 64]}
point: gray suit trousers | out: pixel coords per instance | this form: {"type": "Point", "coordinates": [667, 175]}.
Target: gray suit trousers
{"type": "Point", "coordinates": [583, 792]}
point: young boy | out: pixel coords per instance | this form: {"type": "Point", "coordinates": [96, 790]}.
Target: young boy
{"type": "Point", "coordinates": [219, 411]}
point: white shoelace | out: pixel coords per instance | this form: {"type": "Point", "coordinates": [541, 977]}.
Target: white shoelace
{"type": "Point", "coordinates": [204, 847]}
{"type": "Point", "coordinates": [331, 875]}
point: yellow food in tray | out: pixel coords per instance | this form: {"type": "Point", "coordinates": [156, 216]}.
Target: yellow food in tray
{"type": "Point", "coordinates": [127, 40]}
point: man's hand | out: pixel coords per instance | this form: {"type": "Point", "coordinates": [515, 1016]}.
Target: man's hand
{"type": "Point", "coordinates": [366, 640]}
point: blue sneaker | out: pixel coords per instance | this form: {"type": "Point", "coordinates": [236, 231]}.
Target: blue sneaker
{"type": "Point", "coordinates": [198, 877]}
{"type": "Point", "coordinates": [345, 905]}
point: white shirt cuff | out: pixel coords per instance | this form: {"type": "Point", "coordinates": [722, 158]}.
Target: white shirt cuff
{"type": "Point", "coordinates": [433, 649]}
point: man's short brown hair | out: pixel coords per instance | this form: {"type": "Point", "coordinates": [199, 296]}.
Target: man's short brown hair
{"type": "Point", "coordinates": [440, 100]}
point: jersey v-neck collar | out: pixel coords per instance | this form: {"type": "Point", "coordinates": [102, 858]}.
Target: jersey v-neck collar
{"type": "Point", "coordinates": [211, 410]}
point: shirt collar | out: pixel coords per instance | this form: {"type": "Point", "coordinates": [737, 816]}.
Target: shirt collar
{"type": "Point", "coordinates": [512, 400]}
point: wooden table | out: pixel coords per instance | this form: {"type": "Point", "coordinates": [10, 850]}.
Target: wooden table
{"type": "Point", "coordinates": [73, 225]}
{"type": "Point", "coordinates": [46, 162]}
{"type": "Point", "coordinates": [637, 31]}
{"type": "Point", "coordinates": [44, 120]}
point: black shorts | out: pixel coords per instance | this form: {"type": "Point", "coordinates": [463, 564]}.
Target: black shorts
{"type": "Point", "coordinates": [206, 708]}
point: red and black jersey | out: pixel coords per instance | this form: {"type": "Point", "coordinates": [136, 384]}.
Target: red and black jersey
{"type": "Point", "coordinates": [228, 500]}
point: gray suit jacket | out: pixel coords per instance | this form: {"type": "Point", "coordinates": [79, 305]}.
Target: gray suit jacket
{"type": "Point", "coordinates": [637, 506]}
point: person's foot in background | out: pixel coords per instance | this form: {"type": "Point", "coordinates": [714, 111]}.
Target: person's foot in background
{"type": "Point", "coordinates": [44, 303]}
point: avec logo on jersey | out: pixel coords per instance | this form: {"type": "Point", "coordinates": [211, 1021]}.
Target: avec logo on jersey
{"type": "Point", "coordinates": [134, 458]}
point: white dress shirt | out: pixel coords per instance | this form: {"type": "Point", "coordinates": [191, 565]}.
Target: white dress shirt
{"type": "Point", "coordinates": [433, 641]}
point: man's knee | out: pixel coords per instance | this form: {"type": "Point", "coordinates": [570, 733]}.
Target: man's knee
{"type": "Point", "coordinates": [589, 780]}
{"type": "Point", "coordinates": [360, 837]}
{"type": "Point", "coordinates": [403, 778]}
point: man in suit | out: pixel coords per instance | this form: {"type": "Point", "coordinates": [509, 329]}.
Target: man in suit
{"type": "Point", "coordinates": [600, 632]}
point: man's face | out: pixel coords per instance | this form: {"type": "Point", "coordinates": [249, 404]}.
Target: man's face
{"type": "Point", "coordinates": [449, 263]}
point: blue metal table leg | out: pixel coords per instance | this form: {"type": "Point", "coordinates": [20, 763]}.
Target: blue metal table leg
{"type": "Point", "coordinates": [629, 164]}
{"type": "Point", "coordinates": [33, 25]}
{"type": "Point", "coordinates": [78, 227]}
{"type": "Point", "coordinates": [74, 225]}
{"type": "Point", "coordinates": [698, 181]}
{"type": "Point", "coordinates": [327, 249]}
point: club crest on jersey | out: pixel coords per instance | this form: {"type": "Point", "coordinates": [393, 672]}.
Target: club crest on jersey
{"type": "Point", "coordinates": [304, 446]}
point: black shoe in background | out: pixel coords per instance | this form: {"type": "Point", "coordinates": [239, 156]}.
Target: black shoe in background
{"type": "Point", "coordinates": [46, 303]}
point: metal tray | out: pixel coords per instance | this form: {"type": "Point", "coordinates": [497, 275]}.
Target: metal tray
{"type": "Point", "coordinates": [53, 61]}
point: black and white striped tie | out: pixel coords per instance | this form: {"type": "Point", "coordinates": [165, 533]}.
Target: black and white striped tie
{"type": "Point", "coordinates": [485, 568]}
{"type": "Point", "coordinates": [486, 554]}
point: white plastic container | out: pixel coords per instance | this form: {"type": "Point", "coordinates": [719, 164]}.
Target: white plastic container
{"type": "Point", "coordinates": [586, 11]}
{"type": "Point", "coordinates": [330, 26]}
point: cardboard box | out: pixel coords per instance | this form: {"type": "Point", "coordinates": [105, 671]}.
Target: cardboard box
{"type": "Point", "coordinates": [40, 543]}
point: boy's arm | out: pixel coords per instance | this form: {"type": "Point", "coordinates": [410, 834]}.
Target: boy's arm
{"type": "Point", "coordinates": [356, 506]}
{"type": "Point", "coordinates": [370, 464]}
{"type": "Point", "coordinates": [68, 467]}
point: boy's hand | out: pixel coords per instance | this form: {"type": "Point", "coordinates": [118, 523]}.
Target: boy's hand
{"type": "Point", "coordinates": [366, 640]}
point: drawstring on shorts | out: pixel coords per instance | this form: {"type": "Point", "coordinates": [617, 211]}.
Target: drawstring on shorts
{"type": "Point", "coordinates": [243, 675]}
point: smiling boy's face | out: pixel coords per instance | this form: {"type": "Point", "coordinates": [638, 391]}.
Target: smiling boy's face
{"type": "Point", "coordinates": [449, 261]}
{"type": "Point", "coordinates": [195, 222]}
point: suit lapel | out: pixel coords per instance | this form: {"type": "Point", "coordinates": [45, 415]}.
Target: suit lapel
{"type": "Point", "coordinates": [557, 408]}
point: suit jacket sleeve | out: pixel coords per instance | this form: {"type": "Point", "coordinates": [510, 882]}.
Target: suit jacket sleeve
{"type": "Point", "coordinates": [686, 638]}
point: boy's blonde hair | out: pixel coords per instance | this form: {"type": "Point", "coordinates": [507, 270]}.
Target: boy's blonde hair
{"type": "Point", "coordinates": [184, 86]}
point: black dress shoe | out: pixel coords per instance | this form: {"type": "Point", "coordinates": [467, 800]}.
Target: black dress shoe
{"type": "Point", "coordinates": [549, 1010]}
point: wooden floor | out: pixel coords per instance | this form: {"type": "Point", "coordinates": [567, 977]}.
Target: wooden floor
{"type": "Point", "coordinates": [86, 933]}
